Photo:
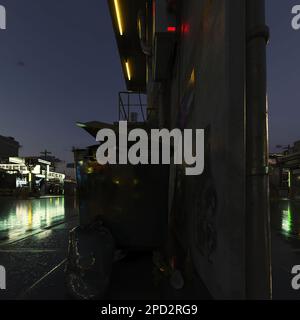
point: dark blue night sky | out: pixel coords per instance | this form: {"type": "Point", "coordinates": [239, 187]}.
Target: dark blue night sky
{"type": "Point", "coordinates": [71, 72]}
{"type": "Point", "coordinates": [283, 74]}
{"type": "Point", "coordinates": [59, 64]}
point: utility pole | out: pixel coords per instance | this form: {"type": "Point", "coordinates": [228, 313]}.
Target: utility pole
{"type": "Point", "coordinates": [45, 154]}
{"type": "Point", "coordinates": [258, 256]}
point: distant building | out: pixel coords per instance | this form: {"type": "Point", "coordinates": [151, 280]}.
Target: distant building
{"type": "Point", "coordinates": [296, 147]}
{"type": "Point", "coordinates": [285, 172]}
{"type": "Point", "coordinates": [68, 169]}
{"type": "Point", "coordinates": [60, 166]}
{"type": "Point", "coordinates": [30, 173]}
{"type": "Point", "coordinates": [9, 147]}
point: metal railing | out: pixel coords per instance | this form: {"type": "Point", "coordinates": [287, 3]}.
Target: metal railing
{"type": "Point", "coordinates": [132, 107]}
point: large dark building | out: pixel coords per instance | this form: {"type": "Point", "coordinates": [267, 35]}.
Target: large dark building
{"type": "Point", "coordinates": [201, 65]}
{"type": "Point", "coordinates": [9, 147]}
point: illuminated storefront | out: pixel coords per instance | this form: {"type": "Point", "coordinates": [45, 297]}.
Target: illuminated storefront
{"type": "Point", "coordinates": [32, 173]}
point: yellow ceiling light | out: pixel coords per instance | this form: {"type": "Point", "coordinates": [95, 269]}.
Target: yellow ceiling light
{"type": "Point", "coordinates": [193, 77]}
{"type": "Point", "coordinates": [118, 13]}
{"type": "Point", "coordinates": [128, 70]}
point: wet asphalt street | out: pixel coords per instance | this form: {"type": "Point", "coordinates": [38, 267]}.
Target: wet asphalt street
{"type": "Point", "coordinates": [34, 240]}
{"type": "Point", "coordinates": [285, 225]}
{"type": "Point", "coordinates": [33, 245]}
{"type": "Point", "coordinates": [33, 248]}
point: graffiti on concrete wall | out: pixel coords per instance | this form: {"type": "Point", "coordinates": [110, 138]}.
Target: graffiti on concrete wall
{"type": "Point", "coordinates": [205, 207]}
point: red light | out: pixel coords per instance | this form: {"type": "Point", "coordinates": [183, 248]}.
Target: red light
{"type": "Point", "coordinates": [171, 29]}
{"type": "Point", "coordinates": [185, 28]}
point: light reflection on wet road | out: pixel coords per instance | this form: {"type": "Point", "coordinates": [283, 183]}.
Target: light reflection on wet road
{"type": "Point", "coordinates": [34, 237]}
{"type": "Point", "coordinates": [285, 218]}
{"type": "Point", "coordinates": [285, 223]}
{"type": "Point", "coordinates": [19, 217]}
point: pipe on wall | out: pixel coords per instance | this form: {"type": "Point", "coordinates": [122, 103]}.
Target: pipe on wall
{"type": "Point", "coordinates": [258, 256]}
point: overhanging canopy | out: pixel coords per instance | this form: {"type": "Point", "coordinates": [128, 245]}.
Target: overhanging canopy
{"type": "Point", "coordinates": [124, 15]}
